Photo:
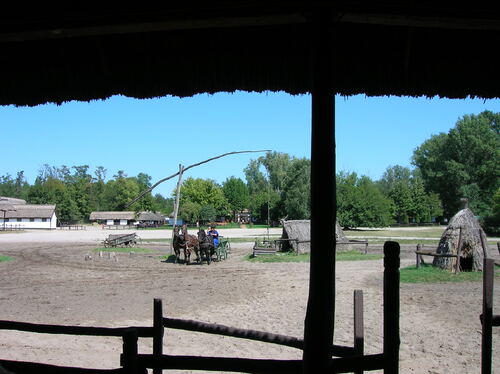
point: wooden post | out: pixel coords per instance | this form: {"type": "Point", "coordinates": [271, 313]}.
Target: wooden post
{"type": "Point", "coordinates": [319, 321]}
{"type": "Point", "coordinates": [391, 307]}
{"type": "Point", "coordinates": [130, 351]}
{"type": "Point", "coordinates": [158, 331]}
{"type": "Point", "coordinates": [419, 248]}
{"type": "Point", "coordinates": [459, 247]}
{"type": "Point", "coordinates": [484, 244]}
{"type": "Point", "coordinates": [177, 201]}
{"type": "Point", "coordinates": [487, 316]}
{"type": "Point", "coordinates": [359, 337]}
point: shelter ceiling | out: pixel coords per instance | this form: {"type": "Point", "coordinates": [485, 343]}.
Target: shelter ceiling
{"type": "Point", "coordinates": [379, 48]}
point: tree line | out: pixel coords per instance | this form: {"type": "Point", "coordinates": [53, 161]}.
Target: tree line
{"type": "Point", "coordinates": [463, 163]}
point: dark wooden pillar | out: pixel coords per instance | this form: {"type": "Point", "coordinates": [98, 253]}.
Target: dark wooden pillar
{"type": "Point", "coordinates": [391, 307]}
{"type": "Point", "coordinates": [319, 321]}
{"type": "Point", "coordinates": [487, 316]}
{"type": "Point", "coordinates": [158, 331]}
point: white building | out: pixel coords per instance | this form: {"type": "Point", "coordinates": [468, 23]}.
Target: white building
{"type": "Point", "coordinates": [127, 218]}
{"type": "Point", "coordinates": [15, 213]}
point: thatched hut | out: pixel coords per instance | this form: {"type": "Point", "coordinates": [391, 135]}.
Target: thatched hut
{"type": "Point", "coordinates": [299, 231]}
{"type": "Point", "coordinates": [465, 236]}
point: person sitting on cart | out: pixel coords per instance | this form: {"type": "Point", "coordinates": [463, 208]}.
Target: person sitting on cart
{"type": "Point", "coordinates": [215, 235]}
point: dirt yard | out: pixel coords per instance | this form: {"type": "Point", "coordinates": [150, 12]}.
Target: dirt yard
{"type": "Point", "coordinates": [51, 282]}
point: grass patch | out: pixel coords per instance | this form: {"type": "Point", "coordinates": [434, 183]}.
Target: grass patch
{"type": "Point", "coordinates": [5, 258]}
{"type": "Point", "coordinates": [426, 242]}
{"type": "Point", "coordinates": [430, 274]}
{"type": "Point", "coordinates": [430, 232]}
{"type": "Point", "coordinates": [162, 240]}
{"type": "Point", "coordinates": [292, 257]}
{"type": "Point", "coordinates": [124, 249]}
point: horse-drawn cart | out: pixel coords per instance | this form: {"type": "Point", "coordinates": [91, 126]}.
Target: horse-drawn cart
{"type": "Point", "coordinates": [124, 240]}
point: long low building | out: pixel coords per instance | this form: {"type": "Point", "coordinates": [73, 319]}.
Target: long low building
{"type": "Point", "coordinates": [127, 218]}
{"type": "Point", "coordinates": [15, 213]}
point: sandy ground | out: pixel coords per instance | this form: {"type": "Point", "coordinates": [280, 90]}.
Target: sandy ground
{"type": "Point", "coordinates": [51, 282]}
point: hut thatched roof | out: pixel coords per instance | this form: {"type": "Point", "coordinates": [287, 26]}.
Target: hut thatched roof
{"type": "Point", "coordinates": [149, 216]}
{"type": "Point", "coordinates": [31, 211]}
{"type": "Point", "coordinates": [11, 200]}
{"type": "Point", "coordinates": [112, 215]}
{"type": "Point", "coordinates": [139, 216]}
{"type": "Point", "coordinates": [179, 48]}
{"type": "Point", "coordinates": [463, 233]}
{"type": "Point", "coordinates": [300, 230]}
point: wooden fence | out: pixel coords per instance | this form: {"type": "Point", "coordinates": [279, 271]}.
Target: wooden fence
{"type": "Point", "coordinates": [350, 359]}
{"type": "Point", "coordinates": [488, 319]}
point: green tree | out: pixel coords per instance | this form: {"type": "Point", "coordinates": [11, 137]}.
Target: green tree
{"type": "Point", "coordinates": [207, 213]}
{"type": "Point", "coordinates": [297, 191]}
{"type": "Point", "coordinates": [54, 191]}
{"type": "Point", "coordinates": [204, 192]}
{"type": "Point", "coordinates": [236, 194]}
{"type": "Point", "coordinates": [163, 204]}
{"type": "Point", "coordinates": [119, 192]}
{"type": "Point", "coordinates": [267, 189]}
{"type": "Point", "coordinates": [463, 163]}
{"type": "Point", "coordinates": [189, 211]}
{"type": "Point", "coordinates": [360, 203]}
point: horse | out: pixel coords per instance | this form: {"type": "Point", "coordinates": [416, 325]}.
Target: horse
{"type": "Point", "coordinates": [190, 243]}
{"type": "Point", "coordinates": [178, 243]}
{"type": "Point", "coordinates": [207, 246]}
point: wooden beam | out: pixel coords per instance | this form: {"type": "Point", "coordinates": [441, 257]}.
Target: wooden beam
{"type": "Point", "coordinates": [487, 316]}
{"type": "Point", "coordinates": [319, 321]}
{"type": "Point", "coordinates": [422, 21]}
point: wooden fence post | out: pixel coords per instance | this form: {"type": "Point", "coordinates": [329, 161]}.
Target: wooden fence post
{"type": "Point", "coordinates": [130, 351]}
{"type": "Point", "coordinates": [487, 316]}
{"type": "Point", "coordinates": [359, 337]}
{"type": "Point", "coordinates": [459, 247]}
{"type": "Point", "coordinates": [158, 331]}
{"type": "Point", "coordinates": [391, 307]}
{"type": "Point", "coordinates": [419, 248]}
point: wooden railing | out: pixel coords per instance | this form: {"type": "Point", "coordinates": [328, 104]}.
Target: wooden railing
{"type": "Point", "coordinates": [488, 319]}
{"type": "Point", "coordinates": [351, 359]}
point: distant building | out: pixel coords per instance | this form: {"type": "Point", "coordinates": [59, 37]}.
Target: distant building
{"type": "Point", "coordinates": [26, 216]}
{"type": "Point", "coordinates": [127, 218]}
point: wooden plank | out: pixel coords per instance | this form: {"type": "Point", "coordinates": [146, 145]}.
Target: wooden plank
{"type": "Point", "coordinates": [434, 254]}
{"type": "Point", "coordinates": [487, 316]}
{"type": "Point", "coordinates": [39, 368]}
{"type": "Point", "coordinates": [359, 337]}
{"type": "Point", "coordinates": [391, 307]}
{"type": "Point", "coordinates": [158, 331]}
{"type": "Point", "coordinates": [320, 313]}
{"type": "Point", "coordinates": [145, 332]}
{"type": "Point", "coordinates": [129, 360]}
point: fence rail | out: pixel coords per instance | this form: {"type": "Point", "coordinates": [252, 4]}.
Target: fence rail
{"type": "Point", "coordinates": [351, 358]}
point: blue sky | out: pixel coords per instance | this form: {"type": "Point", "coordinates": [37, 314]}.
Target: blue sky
{"type": "Point", "coordinates": [153, 136]}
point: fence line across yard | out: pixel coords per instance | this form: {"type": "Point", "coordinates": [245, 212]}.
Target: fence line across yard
{"type": "Point", "coordinates": [351, 359]}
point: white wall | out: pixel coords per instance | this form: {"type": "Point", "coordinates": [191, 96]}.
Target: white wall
{"type": "Point", "coordinates": [37, 223]}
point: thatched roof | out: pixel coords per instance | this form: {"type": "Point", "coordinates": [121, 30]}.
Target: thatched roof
{"type": "Point", "coordinates": [112, 215]}
{"type": "Point", "coordinates": [300, 230]}
{"type": "Point", "coordinates": [30, 211]}
{"type": "Point", "coordinates": [140, 216]}
{"type": "Point", "coordinates": [149, 216]}
{"type": "Point", "coordinates": [11, 200]}
{"type": "Point", "coordinates": [463, 229]}
{"type": "Point", "coordinates": [177, 48]}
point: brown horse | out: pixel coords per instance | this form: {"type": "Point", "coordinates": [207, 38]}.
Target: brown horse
{"type": "Point", "coordinates": [178, 243]}
{"type": "Point", "coordinates": [206, 244]}
{"type": "Point", "coordinates": [190, 243]}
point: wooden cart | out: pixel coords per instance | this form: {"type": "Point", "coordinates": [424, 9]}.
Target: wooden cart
{"type": "Point", "coordinates": [120, 240]}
